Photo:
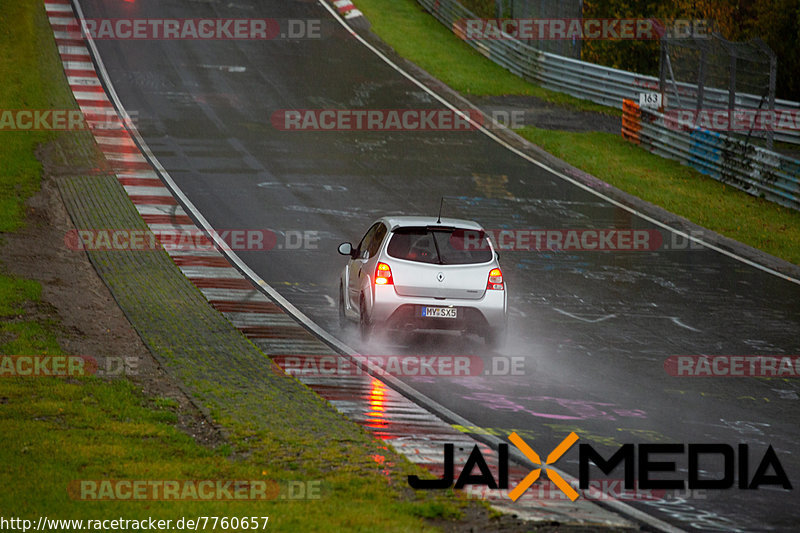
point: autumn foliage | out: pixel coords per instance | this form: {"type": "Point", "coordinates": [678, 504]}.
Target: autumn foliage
{"type": "Point", "coordinates": [776, 22]}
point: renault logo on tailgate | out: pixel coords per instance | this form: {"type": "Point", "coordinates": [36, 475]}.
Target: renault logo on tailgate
{"type": "Point", "coordinates": [440, 276]}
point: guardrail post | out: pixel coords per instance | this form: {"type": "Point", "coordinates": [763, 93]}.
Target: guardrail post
{"type": "Point", "coordinates": [732, 86]}
{"type": "Point", "coordinates": [662, 67]}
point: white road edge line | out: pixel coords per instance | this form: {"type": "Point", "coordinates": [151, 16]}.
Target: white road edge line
{"type": "Point", "coordinates": [310, 324]}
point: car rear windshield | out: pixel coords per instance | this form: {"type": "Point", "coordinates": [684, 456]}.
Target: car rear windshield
{"type": "Point", "coordinates": [440, 246]}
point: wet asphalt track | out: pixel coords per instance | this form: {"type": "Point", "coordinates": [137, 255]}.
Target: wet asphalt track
{"type": "Point", "coordinates": [594, 328]}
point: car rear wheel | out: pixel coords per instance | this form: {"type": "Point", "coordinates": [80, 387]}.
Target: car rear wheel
{"type": "Point", "coordinates": [342, 317]}
{"type": "Point", "coordinates": [495, 338]}
{"type": "Point", "coordinates": [364, 325]}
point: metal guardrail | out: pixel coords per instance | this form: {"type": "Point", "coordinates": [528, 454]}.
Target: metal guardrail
{"type": "Point", "coordinates": [752, 169]}
{"type": "Point", "coordinates": [603, 85]}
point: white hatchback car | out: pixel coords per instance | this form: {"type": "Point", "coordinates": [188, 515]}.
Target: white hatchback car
{"type": "Point", "coordinates": [419, 273]}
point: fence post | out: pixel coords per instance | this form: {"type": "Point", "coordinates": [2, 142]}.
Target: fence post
{"type": "Point", "coordinates": [773, 68]}
{"type": "Point", "coordinates": [701, 77]}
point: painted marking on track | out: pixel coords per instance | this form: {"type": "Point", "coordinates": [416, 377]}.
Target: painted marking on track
{"type": "Point", "coordinates": [73, 50]}
{"type": "Point", "coordinates": [591, 321]}
{"type": "Point", "coordinates": [225, 68]}
{"type": "Point", "coordinates": [677, 321]}
{"type": "Point", "coordinates": [517, 311]}
{"type": "Point", "coordinates": [81, 65]}
{"type": "Point", "coordinates": [492, 185]}
{"type": "Point", "coordinates": [83, 81]}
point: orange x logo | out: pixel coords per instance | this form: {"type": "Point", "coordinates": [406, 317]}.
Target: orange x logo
{"type": "Point", "coordinates": [554, 456]}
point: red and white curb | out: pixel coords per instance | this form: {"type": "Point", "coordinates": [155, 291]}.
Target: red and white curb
{"type": "Point", "coordinates": [346, 9]}
{"type": "Point", "coordinates": [408, 428]}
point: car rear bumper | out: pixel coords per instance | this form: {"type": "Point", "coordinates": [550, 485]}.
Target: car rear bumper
{"type": "Point", "coordinates": [391, 310]}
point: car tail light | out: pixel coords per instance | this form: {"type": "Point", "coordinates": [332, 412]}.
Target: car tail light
{"type": "Point", "coordinates": [495, 280]}
{"type": "Point", "coordinates": [383, 275]}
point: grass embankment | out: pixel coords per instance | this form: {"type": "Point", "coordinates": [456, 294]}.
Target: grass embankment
{"type": "Point", "coordinates": [56, 431]}
{"type": "Point", "coordinates": [677, 188]}
{"type": "Point", "coordinates": [417, 36]}
{"type": "Point", "coordinates": [28, 66]}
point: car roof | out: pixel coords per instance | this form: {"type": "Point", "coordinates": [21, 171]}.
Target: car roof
{"type": "Point", "coordinates": [415, 221]}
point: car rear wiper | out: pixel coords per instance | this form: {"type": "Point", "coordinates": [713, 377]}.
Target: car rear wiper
{"type": "Point", "coordinates": [436, 244]}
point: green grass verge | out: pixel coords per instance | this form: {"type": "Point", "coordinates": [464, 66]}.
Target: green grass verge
{"type": "Point", "coordinates": [677, 188]}
{"type": "Point", "coordinates": [29, 67]}
{"type": "Point", "coordinates": [417, 36]}
{"type": "Point", "coordinates": [56, 431]}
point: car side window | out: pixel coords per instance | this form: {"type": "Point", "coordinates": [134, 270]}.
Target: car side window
{"type": "Point", "coordinates": [377, 240]}
{"type": "Point", "coordinates": [367, 240]}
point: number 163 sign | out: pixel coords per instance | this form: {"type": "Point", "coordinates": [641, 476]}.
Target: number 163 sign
{"type": "Point", "coordinates": [650, 100]}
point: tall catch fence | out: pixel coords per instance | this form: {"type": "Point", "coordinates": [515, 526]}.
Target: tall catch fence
{"type": "Point", "coordinates": [711, 72]}
{"type": "Point", "coordinates": [538, 9]}
{"type": "Point", "coordinates": [756, 170]}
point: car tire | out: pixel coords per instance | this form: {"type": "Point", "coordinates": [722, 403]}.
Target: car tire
{"type": "Point", "coordinates": [363, 321]}
{"type": "Point", "coordinates": [342, 316]}
{"type": "Point", "coordinates": [496, 338]}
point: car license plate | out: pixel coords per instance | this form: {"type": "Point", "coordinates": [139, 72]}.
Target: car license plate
{"type": "Point", "coordinates": [439, 312]}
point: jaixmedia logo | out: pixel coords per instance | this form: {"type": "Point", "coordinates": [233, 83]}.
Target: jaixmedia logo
{"type": "Point", "coordinates": [631, 457]}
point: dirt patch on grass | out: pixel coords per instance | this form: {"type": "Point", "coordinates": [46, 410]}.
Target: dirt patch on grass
{"type": "Point", "coordinates": [87, 320]}
{"type": "Point", "coordinates": [546, 115]}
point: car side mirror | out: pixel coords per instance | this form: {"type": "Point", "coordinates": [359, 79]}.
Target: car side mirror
{"type": "Point", "coordinates": [346, 249]}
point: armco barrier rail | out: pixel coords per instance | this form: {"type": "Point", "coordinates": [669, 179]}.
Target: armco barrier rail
{"type": "Point", "coordinates": [750, 168]}
{"type": "Point", "coordinates": [603, 85]}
